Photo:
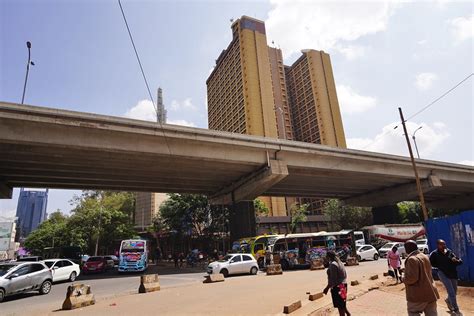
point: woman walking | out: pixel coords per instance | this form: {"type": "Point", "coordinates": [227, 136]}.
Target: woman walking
{"type": "Point", "coordinates": [337, 283]}
{"type": "Point", "coordinates": [395, 262]}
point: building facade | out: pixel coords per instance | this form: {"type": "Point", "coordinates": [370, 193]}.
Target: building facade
{"type": "Point", "coordinates": [31, 210]}
{"type": "Point", "coordinates": [251, 91]}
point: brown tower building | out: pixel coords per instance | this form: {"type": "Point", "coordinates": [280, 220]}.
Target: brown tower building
{"type": "Point", "coordinates": [251, 91]}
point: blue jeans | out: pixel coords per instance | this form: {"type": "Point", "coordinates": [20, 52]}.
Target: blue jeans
{"type": "Point", "coordinates": [451, 286]}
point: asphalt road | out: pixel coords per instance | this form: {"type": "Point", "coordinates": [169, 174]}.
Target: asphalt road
{"type": "Point", "coordinates": [103, 286]}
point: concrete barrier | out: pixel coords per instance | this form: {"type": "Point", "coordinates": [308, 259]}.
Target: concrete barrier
{"type": "Point", "coordinates": [352, 261]}
{"type": "Point", "coordinates": [317, 264]}
{"type": "Point", "coordinates": [314, 297]}
{"type": "Point", "coordinates": [374, 277]}
{"type": "Point", "coordinates": [78, 295]}
{"type": "Point", "coordinates": [149, 283]}
{"type": "Point", "coordinates": [213, 278]}
{"type": "Point", "coordinates": [386, 274]}
{"type": "Point", "coordinates": [274, 269]}
{"type": "Point", "coordinates": [287, 309]}
{"type": "Point", "coordinates": [354, 283]}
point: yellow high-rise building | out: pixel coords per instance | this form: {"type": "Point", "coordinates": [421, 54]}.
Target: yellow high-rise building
{"type": "Point", "coordinates": [251, 91]}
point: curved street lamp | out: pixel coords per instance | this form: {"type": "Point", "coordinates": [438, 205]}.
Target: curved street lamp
{"type": "Point", "coordinates": [414, 140]}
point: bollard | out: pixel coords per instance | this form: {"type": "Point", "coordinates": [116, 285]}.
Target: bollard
{"type": "Point", "coordinates": [274, 269]}
{"type": "Point", "coordinates": [374, 277]}
{"type": "Point", "coordinates": [353, 283]}
{"type": "Point", "coordinates": [386, 274]}
{"type": "Point", "coordinates": [149, 283]}
{"type": "Point", "coordinates": [314, 297]}
{"type": "Point", "coordinates": [78, 295]}
{"type": "Point", "coordinates": [212, 278]}
{"type": "Point", "coordinates": [317, 264]}
{"type": "Point", "coordinates": [287, 309]}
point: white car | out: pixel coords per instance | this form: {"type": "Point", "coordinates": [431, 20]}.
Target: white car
{"type": "Point", "coordinates": [63, 269]}
{"type": "Point", "coordinates": [388, 246]}
{"type": "Point", "coordinates": [234, 264]}
{"type": "Point", "coordinates": [367, 252]}
{"type": "Point", "coordinates": [423, 246]}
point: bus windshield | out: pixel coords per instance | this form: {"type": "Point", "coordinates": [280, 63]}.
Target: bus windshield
{"type": "Point", "coordinates": [133, 246]}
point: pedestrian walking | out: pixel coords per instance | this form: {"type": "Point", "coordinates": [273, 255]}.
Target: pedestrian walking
{"type": "Point", "coordinates": [337, 283]}
{"type": "Point", "coordinates": [421, 292]}
{"type": "Point", "coordinates": [446, 262]}
{"type": "Point", "coordinates": [175, 259]}
{"type": "Point", "coordinates": [395, 263]}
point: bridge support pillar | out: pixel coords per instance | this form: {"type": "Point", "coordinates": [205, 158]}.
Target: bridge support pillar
{"type": "Point", "coordinates": [6, 191]}
{"type": "Point", "coordinates": [242, 220]}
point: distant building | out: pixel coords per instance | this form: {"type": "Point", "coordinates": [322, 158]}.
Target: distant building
{"type": "Point", "coordinates": [148, 204]}
{"type": "Point", "coordinates": [31, 210]}
{"type": "Point", "coordinates": [250, 91]}
{"type": "Point", "coordinates": [8, 246]}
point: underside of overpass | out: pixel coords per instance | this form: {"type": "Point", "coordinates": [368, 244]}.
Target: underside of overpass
{"type": "Point", "coordinates": [44, 147]}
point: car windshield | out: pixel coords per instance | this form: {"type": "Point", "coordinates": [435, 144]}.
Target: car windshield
{"type": "Point", "coordinates": [388, 246]}
{"type": "Point", "coordinates": [226, 258]}
{"type": "Point", "coordinates": [94, 259]}
{"type": "Point", "coordinates": [421, 242]}
{"type": "Point", "coordinates": [4, 268]}
{"type": "Point", "coordinates": [49, 264]}
{"type": "Point", "coordinates": [358, 248]}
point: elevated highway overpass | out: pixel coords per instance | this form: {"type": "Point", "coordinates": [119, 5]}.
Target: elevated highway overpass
{"type": "Point", "coordinates": [46, 147]}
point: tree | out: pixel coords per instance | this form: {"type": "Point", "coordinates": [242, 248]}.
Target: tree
{"type": "Point", "coordinates": [411, 212]}
{"type": "Point", "coordinates": [260, 208]}
{"type": "Point", "coordinates": [346, 217]}
{"type": "Point", "coordinates": [298, 214]}
{"type": "Point", "coordinates": [51, 233]}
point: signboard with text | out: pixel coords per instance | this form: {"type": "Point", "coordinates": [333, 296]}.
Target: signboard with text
{"type": "Point", "coordinates": [5, 235]}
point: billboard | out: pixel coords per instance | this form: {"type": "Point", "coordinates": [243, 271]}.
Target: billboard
{"type": "Point", "coordinates": [5, 235]}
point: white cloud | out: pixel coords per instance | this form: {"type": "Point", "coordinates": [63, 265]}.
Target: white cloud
{"type": "Point", "coordinates": [352, 52]}
{"type": "Point", "coordinates": [462, 28]}
{"type": "Point", "coordinates": [181, 122]}
{"type": "Point", "coordinates": [143, 110]}
{"type": "Point", "coordinates": [467, 162]}
{"type": "Point", "coordinates": [352, 102]}
{"type": "Point", "coordinates": [392, 141]}
{"type": "Point", "coordinates": [325, 25]}
{"type": "Point", "coordinates": [186, 104]}
{"type": "Point", "coordinates": [424, 81]}
{"type": "Point", "coordinates": [422, 42]}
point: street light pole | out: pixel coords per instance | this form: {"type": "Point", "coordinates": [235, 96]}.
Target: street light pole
{"type": "Point", "coordinates": [28, 44]}
{"type": "Point", "coordinates": [417, 178]}
{"type": "Point", "coordinates": [414, 141]}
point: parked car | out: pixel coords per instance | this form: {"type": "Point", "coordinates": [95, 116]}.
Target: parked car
{"type": "Point", "coordinates": [423, 246]}
{"type": "Point", "coordinates": [30, 259]}
{"type": "Point", "coordinates": [18, 277]}
{"type": "Point", "coordinates": [112, 261]}
{"type": "Point", "coordinates": [94, 264]}
{"type": "Point", "coordinates": [367, 252]}
{"type": "Point", "coordinates": [234, 264]}
{"type": "Point", "coordinates": [388, 246]}
{"type": "Point", "coordinates": [63, 269]}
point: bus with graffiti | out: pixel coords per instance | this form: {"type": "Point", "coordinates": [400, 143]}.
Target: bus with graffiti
{"type": "Point", "coordinates": [133, 255]}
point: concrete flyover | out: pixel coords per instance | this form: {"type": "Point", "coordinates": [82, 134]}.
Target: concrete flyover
{"type": "Point", "coordinates": [45, 147]}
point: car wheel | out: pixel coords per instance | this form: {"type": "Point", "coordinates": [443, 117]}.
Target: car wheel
{"type": "Point", "coordinates": [376, 256]}
{"type": "Point", "coordinates": [359, 258]}
{"type": "Point", "coordinates": [45, 287]}
{"type": "Point", "coordinates": [73, 276]}
{"type": "Point", "coordinates": [225, 273]}
{"type": "Point", "coordinates": [254, 270]}
{"type": "Point", "coordinates": [2, 295]}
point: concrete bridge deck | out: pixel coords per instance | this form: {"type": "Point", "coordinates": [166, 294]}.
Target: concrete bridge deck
{"type": "Point", "coordinates": [45, 147]}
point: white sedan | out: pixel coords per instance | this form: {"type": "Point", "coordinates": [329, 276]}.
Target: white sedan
{"type": "Point", "coordinates": [63, 269]}
{"type": "Point", "coordinates": [367, 252]}
{"type": "Point", "coordinates": [234, 264]}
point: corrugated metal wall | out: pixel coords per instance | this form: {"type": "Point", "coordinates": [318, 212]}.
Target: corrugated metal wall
{"type": "Point", "coordinates": [458, 232]}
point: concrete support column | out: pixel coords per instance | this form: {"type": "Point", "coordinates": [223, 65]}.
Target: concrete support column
{"type": "Point", "coordinates": [242, 220]}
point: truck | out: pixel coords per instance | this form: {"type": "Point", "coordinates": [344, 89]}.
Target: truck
{"type": "Point", "coordinates": [133, 255]}
{"type": "Point", "coordinates": [378, 235]}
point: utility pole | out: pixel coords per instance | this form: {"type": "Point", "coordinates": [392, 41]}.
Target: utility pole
{"type": "Point", "coordinates": [100, 222]}
{"type": "Point", "coordinates": [417, 178]}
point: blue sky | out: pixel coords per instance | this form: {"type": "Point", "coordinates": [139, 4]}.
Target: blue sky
{"type": "Point", "coordinates": [384, 55]}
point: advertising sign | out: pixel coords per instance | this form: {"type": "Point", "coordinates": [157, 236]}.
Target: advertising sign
{"type": "Point", "coordinates": [5, 235]}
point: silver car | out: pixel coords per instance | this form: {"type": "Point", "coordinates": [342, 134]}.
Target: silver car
{"type": "Point", "coordinates": [18, 277]}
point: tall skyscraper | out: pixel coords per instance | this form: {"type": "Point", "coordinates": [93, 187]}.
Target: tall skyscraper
{"type": "Point", "coordinates": [31, 210]}
{"type": "Point", "coordinates": [148, 204]}
{"type": "Point", "coordinates": [251, 91]}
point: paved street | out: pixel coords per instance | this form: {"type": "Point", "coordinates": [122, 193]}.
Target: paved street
{"type": "Point", "coordinates": [103, 285]}
{"type": "Point", "coordinates": [184, 294]}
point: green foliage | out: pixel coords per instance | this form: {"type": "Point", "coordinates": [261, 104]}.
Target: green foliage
{"type": "Point", "coordinates": [346, 217]}
{"type": "Point", "coordinates": [97, 214]}
{"type": "Point", "coordinates": [260, 208]}
{"type": "Point", "coordinates": [298, 215]}
{"type": "Point", "coordinates": [191, 215]}
{"type": "Point", "coordinates": [411, 212]}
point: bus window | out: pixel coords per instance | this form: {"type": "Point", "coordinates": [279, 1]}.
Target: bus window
{"type": "Point", "coordinates": [258, 247]}
{"type": "Point", "coordinates": [279, 246]}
